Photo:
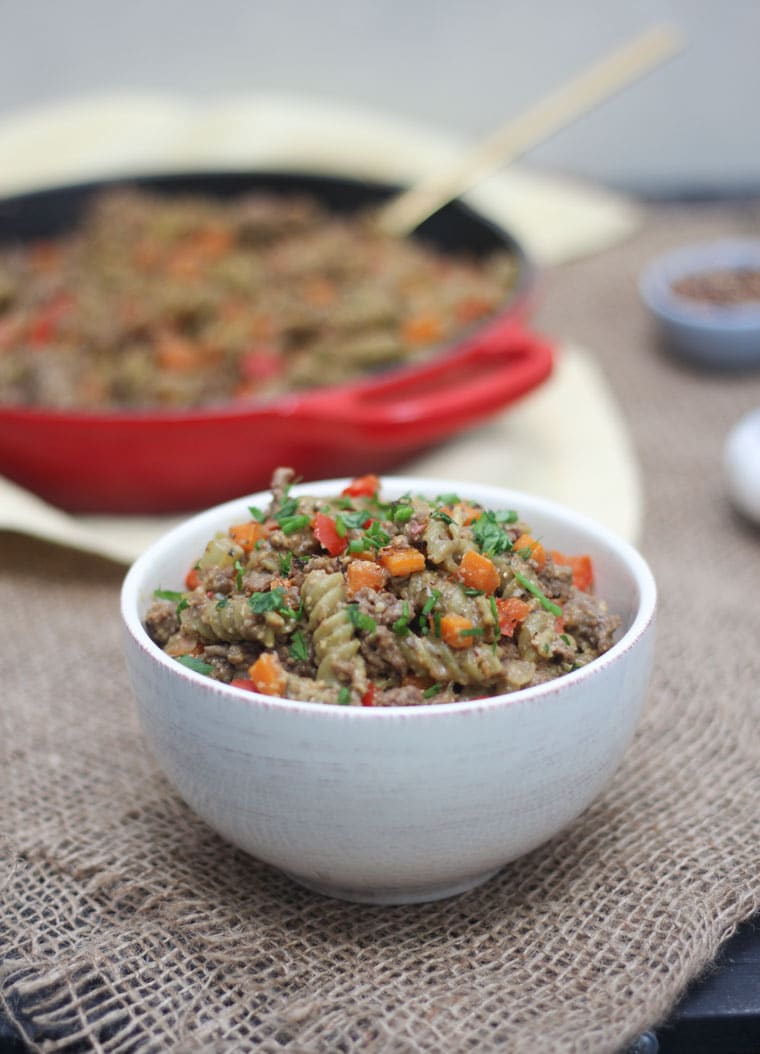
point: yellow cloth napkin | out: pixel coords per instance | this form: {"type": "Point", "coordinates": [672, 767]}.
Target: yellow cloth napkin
{"type": "Point", "coordinates": [540, 445]}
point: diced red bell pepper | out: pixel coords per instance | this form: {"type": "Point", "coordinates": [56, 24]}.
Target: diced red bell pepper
{"type": "Point", "coordinates": [369, 696]}
{"type": "Point", "coordinates": [326, 533]}
{"type": "Point", "coordinates": [362, 487]}
{"type": "Point", "coordinates": [244, 682]}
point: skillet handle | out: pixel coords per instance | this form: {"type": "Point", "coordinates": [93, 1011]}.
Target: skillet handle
{"type": "Point", "coordinates": [424, 404]}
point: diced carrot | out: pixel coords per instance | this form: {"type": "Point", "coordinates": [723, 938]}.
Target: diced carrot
{"type": "Point", "coordinates": [326, 533]}
{"type": "Point", "coordinates": [468, 514]}
{"type": "Point", "coordinates": [177, 354]}
{"type": "Point", "coordinates": [267, 674]}
{"type": "Point", "coordinates": [511, 611]}
{"type": "Point", "coordinates": [422, 329]}
{"type": "Point", "coordinates": [247, 534]}
{"type": "Point", "coordinates": [192, 580]}
{"type": "Point", "coordinates": [472, 307]}
{"type": "Point", "coordinates": [320, 291]}
{"type": "Point", "coordinates": [454, 629]}
{"type": "Point", "coordinates": [362, 487]}
{"type": "Point", "coordinates": [478, 572]}
{"type": "Point", "coordinates": [211, 242]}
{"type": "Point", "coordinates": [402, 562]}
{"type": "Point", "coordinates": [583, 569]}
{"type": "Point", "coordinates": [243, 682]}
{"type": "Point", "coordinates": [364, 574]}
{"type": "Point", "coordinates": [537, 551]}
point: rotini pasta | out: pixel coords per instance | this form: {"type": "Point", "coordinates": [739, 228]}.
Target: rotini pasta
{"type": "Point", "coordinates": [352, 600]}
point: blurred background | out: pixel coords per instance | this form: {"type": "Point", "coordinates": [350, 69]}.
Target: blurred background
{"type": "Point", "coordinates": [689, 128]}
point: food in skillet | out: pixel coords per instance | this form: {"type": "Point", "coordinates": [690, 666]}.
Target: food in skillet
{"type": "Point", "coordinates": [357, 601]}
{"type": "Point", "coordinates": [171, 303]}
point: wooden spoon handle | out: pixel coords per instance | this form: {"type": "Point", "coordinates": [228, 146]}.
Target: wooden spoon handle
{"type": "Point", "coordinates": [566, 104]}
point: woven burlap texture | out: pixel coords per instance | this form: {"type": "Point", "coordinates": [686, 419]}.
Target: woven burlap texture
{"type": "Point", "coordinates": [126, 925]}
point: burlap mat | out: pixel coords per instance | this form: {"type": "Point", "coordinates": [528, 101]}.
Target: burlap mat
{"type": "Point", "coordinates": [127, 926]}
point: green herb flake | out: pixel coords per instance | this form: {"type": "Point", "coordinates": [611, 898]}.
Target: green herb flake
{"type": "Point", "coordinates": [490, 535]}
{"type": "Point", "coordinates": [505, 516]}
{"type": "Point", "coordinates": [566, 639]}
{"type": "Point", "coordinates": [344, 697]}
{"type": "Point", "coordinates": [291, 524]}
{"type": "Point", "coordinates": [193, 663]}
{"type": "Point", "coordinates": [470, 591]}
{"type": "Point", "coordinates": [441, 515]}
{"type": "Point", "coordinates": [260, 603]}
{"type": "Point", "coordinates": [431, 601]}
{"type": "Point", "coordinates": [476, 631]}
{"type": "Point", "coordinates": [287, 509]}
{"type": "Point", "coordinates": [543, 600]}
{"type": "Point", "coordinates": [223, 603]}
{"type": "Point", "coordinates": [448, 499]}
{"type": "Point", "coordinates": [239, 576]}
{"type": "Point", "coordinates": [184, 603]}
{"type": "Point", "coordinates": [298, 648]}
{"type": "Point", "coordinates": [351, 520]}
{"type": "Point", "coordinates": [375, 537]}
{"type": "Point", "coordinates": [360, 619]}
{"type": "Point", "coordinates": [167, 594]}
{"type": "Point", "coordinates": [494, 610]}
{"type": "Point", "coordinates": [257, 514]}
{"type": "Point", "coordinates": [401, 625]}
{"type": "Point", "coordinates": [286, 561]}
{"type": "Point", "coordinates": [437, 623]}
{"type": "Point", "coordinates": [402, 513]}
{"type": "Point", "coordinates": [434, 689]}
{"type": "Point", "coordinates": [356, 545]}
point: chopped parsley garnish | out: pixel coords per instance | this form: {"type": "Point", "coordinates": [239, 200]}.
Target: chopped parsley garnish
{"type": "Point", "coordinates": [441, 515]}
{"type": "Point", "coordinates": [344, 696]}
{"type": "Point", "coordinates": [437, 623]}
{"type": "Point", "coordinates": [401, 513]}
{"type": "Point", "coordinates": [475, 631]}
{"type": "Point", "coordinates": [360, 618]}
{"type": "Point", "coordinates": [287, 508]}
{"type": "Point", "coordinates": [434, 689]}
{"type": "Point", "coordinates": [291, 524]}
{"type": "Point", "coordinates": [431, 601]}
{"type": "Point", "coordinates": [239, 576]}
{"type": "Point", "coordinates": [375, 537]}
{"type": "Point", "coordinates": [223, 603]}
{"type": "Point", "coordinates": [351, 521]}
{"type": "Point", "coordinates": [543, 600]}
{"type": "Point", "coordinates": [184, 603]}
{"type": "Point", "coordinates": [167, 594]}
{"type": "Point", "coordinates": [257, 514]}
{"type": "Point", "coordinates": [286, 560]}
{"type": "Point", "coordinates": [494, 610]}
{"type": "Point", "coordinates": [490, 535]}
{"type": "Point", "coordinates": [401, 625]}
{"type": "Point", "coordinates": [448, 499]}
{"type": "Point", "coordinates": [505, 516]}
{"type": "Point", "coordinates": [298, 649]}
{"type": "Point", "coordinates": [274, 600]}
{"type": "Point", "coordinates": [525, 553]}
{"type": "Point", "coordinates": [195, 664]}
{"type": "Point", "coordinates": [565, 638]}
{"type": "Point", "coordinates": [470, 591]}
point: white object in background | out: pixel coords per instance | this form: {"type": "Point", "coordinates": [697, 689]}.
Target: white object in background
{"type": "Point", "coordinates": [741, 460]}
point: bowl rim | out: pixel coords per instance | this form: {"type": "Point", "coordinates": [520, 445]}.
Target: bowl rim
{"type": "Point", "coordinates": [134, 584]}
{"type": "Point", "coordinates": [655, 284]}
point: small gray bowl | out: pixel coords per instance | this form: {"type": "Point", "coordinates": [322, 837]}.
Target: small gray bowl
{"type": "Point", "coordinates": [708, 334]}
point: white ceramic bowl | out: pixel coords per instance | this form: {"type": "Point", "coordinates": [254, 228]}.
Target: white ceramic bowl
{"type": "Point", "coordinates": [394, 805]}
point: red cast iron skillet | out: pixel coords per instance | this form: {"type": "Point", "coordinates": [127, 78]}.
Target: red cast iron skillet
{"type": "Point", "coordinates": [173, 461]}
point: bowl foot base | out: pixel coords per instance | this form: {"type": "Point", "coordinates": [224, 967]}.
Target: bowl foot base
{"type": "Point", "coordinates": [417, 895]}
